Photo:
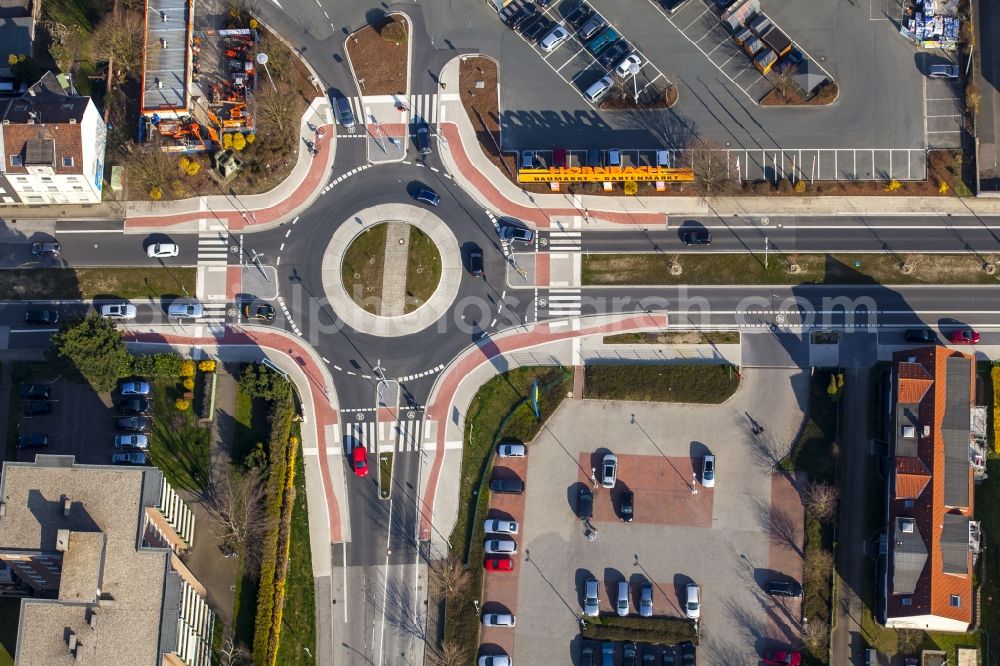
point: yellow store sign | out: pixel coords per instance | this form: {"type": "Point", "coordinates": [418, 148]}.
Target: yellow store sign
{"type": "Point", "coordinates": [643, 174]}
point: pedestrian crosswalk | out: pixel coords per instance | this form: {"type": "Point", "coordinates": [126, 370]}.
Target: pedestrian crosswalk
{"type": "Point", "coordinates": [383, 436]}
{"type": "Point", "coordinates": [424, 106]}
{"type": "Point", "coordinates": [215, 313]}
{"type": "Point", "coordinates": [213, 248]}
{"type": "Point", "coordinates": [559, 240]}
{"type": "Point", "coordinates": [561, 302]}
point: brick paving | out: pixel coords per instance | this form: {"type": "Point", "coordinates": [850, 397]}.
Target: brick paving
{"type": "Point", "coordinates": [787, 514]}
{"type": "Point", "coordinates": [397, 248]}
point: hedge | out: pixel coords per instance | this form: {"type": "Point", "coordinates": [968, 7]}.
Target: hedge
{"type": "Point", "coordinates": [152, 365]}
{"type": "Point", "coordinates": [664, 630]}
{"type": "Point", "coordinates": [284, 543]}
{"type": "Point", "coordinates": [995, 376]}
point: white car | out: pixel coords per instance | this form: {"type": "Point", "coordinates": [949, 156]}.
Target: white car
{"type": "Point", "coordinates": [500, 546]}
{"type": "Point", "coordinates": [624, 68]}
{"type": "Point", "coordinates": [134, 388]}
{"type": "Point", "coordinates": [118, 311]}
{"type": "Point", "coordinates": [609, 470]}
{"type": "Point", "coordinates": [160, 250]}
{"type": "Point", "coordinates": [708, 472]}
{"type": "Point", "coordinates": [553, 38]}
{"type": "Point", "coordinates": [495, 526]}
{"type": "Point", "coordinates": [191, 309]}
{"type": "Point", "coordinates": [512, 451]}
{"type": "Point", "coordinates": [692, 604]}
{"type": "Point", "coordinates": [621, 606]}
{"type": "Point", "coordinates": [494, 660]}
{"type": "Point", "coordinates": [591, 598]}
{"type": "Point", "coordinates": [499, 620]}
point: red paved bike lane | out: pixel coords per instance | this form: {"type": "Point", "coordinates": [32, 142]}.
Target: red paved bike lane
{"type": "Point", "coordinates": [324, 413]}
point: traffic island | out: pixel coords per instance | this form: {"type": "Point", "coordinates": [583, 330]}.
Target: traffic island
{"type": "Point", "coordinates": [379, 56]}
{"type": "Point", "coordinates": [623, 98]}
{"type": "Point", "coordinates": [385, 475]}
{"type": "Point", "coordinates": [791, 95]}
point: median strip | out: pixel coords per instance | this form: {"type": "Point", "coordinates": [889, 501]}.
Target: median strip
{"type": "Point", "coordinates": [62, 284]}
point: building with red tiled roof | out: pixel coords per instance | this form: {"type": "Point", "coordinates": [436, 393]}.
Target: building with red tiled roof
{"type": "Point", "coordinates": [927, 582]}
{"type": "Point", "coordinates": [51, 146]}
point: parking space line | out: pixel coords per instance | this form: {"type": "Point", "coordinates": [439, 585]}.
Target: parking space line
{"type": "Point", "coordinates": [716, 47]}
{"type": "Point", "coordinates": [696, 19]}
{"type": "Point", "coordinates": [710, 31]}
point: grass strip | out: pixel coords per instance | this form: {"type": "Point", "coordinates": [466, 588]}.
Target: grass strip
{"type": "Point", "coordinates": [705, 384]}
{"type": "Point", "coordinates": [88, 283]}
{"type": "Point", "coordinates": [423, 269]}
{"type": "Point", "coordinates": [362, 268]}
{"type": "Point", "coordinates": [727, 269]}
{"type": "Point", "coordinates": [177, 444]}
{"type": "Point", "coordinates": [663, 630]}
{"type": "Point", "coordinates": [385, 474]}
{"type": "Point", "coordinates": [675, 338]}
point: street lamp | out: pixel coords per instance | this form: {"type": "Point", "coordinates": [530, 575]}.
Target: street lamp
{"type": "Point", "coordinates": [262, 60]}
{"type": "Point", "coordinates": [634, 69]}
{"type": "Point", "coordinates": [694, 483]}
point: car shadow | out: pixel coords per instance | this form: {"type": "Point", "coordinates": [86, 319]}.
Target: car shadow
{"type": "Point", "coordinates": [573, 496]}
{"type": "Point", "coordinates": [612, 577]}
{"type": "Point", "coordinates": [580, 579]}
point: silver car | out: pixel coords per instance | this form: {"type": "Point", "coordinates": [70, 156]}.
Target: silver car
{"type": "Point", "coordinates": [609, 470]}
{"type": "Point", "coordinates": [138, 441]}
{"type": "Point", "coordinates": [500, 546]}
{"type": "Point", "coordinates": [646, 600]}
{"type": "Point", "coordinates": [591, 600]}
{"type": "Point", "coordinates": [495, 526]}
{"type": "Point", "coordinates": [135, 388]}
{"type": "Point", "coordinates": [692, 603]}
{"type": "Point", "coordinates": [118, 311]}
{"type": "Point", "coordinates": [553, 38]}
{"type": "Point", "coordinates": [512, 450]}
{"type": "Point", "coordinates": [621, 606]}
{"type": "Point", "coordinates": [191, 309]}
{"type": "Point", "coordinates": [493, 660]}
{"type": "Point", "coordinates": [499, 620]}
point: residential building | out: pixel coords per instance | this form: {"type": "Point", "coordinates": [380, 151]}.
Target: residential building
{"type": "Point", "coordinates": [88, 548]}
{"type": "Point", "coordinates": [932, 541]}
{"type": "Point", "coordinates": [52, 144]}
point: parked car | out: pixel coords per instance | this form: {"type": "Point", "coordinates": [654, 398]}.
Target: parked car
{"type": "Point", "coordinates": [342, 108]}
{"type": "Point", "coordinates": [609, 470]}
{"type": "Point", "coordinates": [579, 15]}
{"type": "Point", "coordinates": [782, 658]}
{"type": "Point", "coordinates": [262, 312]}
{"type": "Point", "coordinates": [669, 656]}
{"type": "Point", "coordinates": [118, 311]}
{"type": "Point", "coordinates": [507, 486]}
{"type": "Point", "coordinates": [134, 407]}
{"type": "Point", "coordinates": [692, 601]}
{"type": "Point", "coordinates": [34, 441]}
{"type": "Point", "coordinates": [512, 450]}
{"type": "Point", "coordinates": [688, 654]}
{"type": "Point", "coordinates": [621, 605]}
{"type": "Point", "coordinates": [359, 460]}
{"type": "Point", "coordinates": [591, 27]}
{"type": "Point", "coordinates": [585, 503]}
{"type": "Point", "coordinates": [138, 441]}
{"type": "Point", "coordinates": [134, 388]}
{"type": "Point", "coordinates": [964, 336]}
{"type": "Point", "coordinates": [612, 55]}
{"type": "Point", "coordinates": [499, 620]}
{"type": "Point", "coordinates": [708, 471]}
{"type": "Point", "coordinates": [591, 598]}
{"type": "Point", "coordinates": [598, 89]}
{"type": "Point", "coordinates": [35, 391]}
{"type": "Point", "coordinates": [519, 15]}
{"type": "Point", "coordinates": [629, 654]}
{"type": "Point", "coordinates": [515, 234]}
{"type": "Point", "coordinates": [608, 653]}
{"type": "Point", "coordinates": [428, 196]}
{"type": "Point", "coordinates": [37, 407]}
{"type": "Point", "coordinates": [925, 335]}
{"type": "Point", "coordinates": [190, 309]}
{"type": "Point", "coordinates": [132, 423]}
{"type": "Point", "coordinates": [476, 261]}
{"type": "Point", "coordinates": [646, 599]}
{"type": "Point", "coordinates": [497, 526]}
{"type": "Point", "coordinates": [624, 67]}
{"type": "Point", "coordinates": [493, 660]}
{"type": "Point", "coordinates": [626, 506]}
{"type": "Point", "coordinates": [422, 137]}
{"type": "Point", "coordinates": [498, 564]}
{"type": "Point", "coordinates": [697, 237]}
{"type": "Point", "coordinates": [130, 458]}
{"type": "Point", "coordinates": [587, 652]}
{"type": "Point", "coordinates": [553, 38]}
{"type": "Point", "coordinates": [603, 41]}
{"type": "Point", "coordinates": [162, 250]}
{"type": "Point", "coordinates": [41, 317]}
{"type": "Point", "coordinates": [46, 249]}
{"type": "Point", "coordinates": [500, 546]}
{"type": "Point", "coordinates": [783, 588]}
{"type": "Point", "coordinates": [943, 72]}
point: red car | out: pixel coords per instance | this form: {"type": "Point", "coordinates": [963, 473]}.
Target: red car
{"type": "Point", "coordinates": [359, 460]}
{"type": "Point", "coordinates": [498, 564]}
{"type": "Point", "coordinates": [964, 336]}
{"type": "Point", "coordinates": [782, 658]}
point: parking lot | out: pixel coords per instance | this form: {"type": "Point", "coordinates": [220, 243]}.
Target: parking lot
{"type": "Point", "coordinates": [575, 65]}
{"type": "Point", "coordinates": [730, 539]}
{"type": "Point", "coordinates": [942, 105]}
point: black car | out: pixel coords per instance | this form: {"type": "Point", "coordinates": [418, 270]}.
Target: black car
{"type": "Point", "coordinates": [618, 50]}
{"type": "Point", "coordinates": [585, 503]}
{"type": "Point", "coordinates": [626, 506]}
{"type": "Point", "coordinates": [342, 109]}
{"type": "Point", "coordinates": [697, 237]}
{"type": "Point", "coordinates": [669, 657]}
{"type": "Point", "coordinates": [41, 317]}
{"type": "Point", "coordinates": [37, 407]}
{"type": "Point", "coordinates": [134, 407]}
{"type": "Point", "coordinates": [476, 262]}
{"type": "Point", "coordinates": [783, 588]}
{"type": "Point", "coordinates": [428, 196]}
{"type": "Point", "coordinates": [47, 249]}
{"type": "Point", "coordinates": [629, 654]}
{"type": "Point", "coordinates": [687, 654]}
{"type": "Point", "coordinates": [579, 15]}
{"type": "Point", "coordinates": [920, 335]}
{"type": "Point", "coordinates": [36, 441]}
{"type": "Point", "coordinates": [518, 16]}
{"type": "Point", "coordinates": [35, 391]}
{"type": "Point", "coordinates": [648, 655]}
{"type": "Point", "coordinates": [587, 652]}
{"type": "Point", "coordinates": [422, 137]}
{"type": "Point", "coordinates": [263, 312]}
{"type": "Point", "coordinates": [132, 424]}
{"type": "Point", "coordinates": [507, 486]}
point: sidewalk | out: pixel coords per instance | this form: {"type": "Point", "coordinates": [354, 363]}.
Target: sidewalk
{"type": "Point", "coordinates": [294, 194]}
{"type": "Point", "coordinates": [493, 189]}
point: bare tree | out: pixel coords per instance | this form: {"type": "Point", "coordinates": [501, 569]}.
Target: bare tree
{"type": "Point", "coordinates": [274, 111]}
{"type": "Point", "coordinates": [147, 167]}
{"type": "Point", "coordinates": [240, 508]}
{"type": "Point", "coordinates": [711, 168]}
{"type": "Point", "coordinates": [450, 654]}
{"type": "Point", "coordinates": [450, 576]}
{"type": "Point", "coordinates": [817, 566]}
{"type": "Point", "coordinates": [909, 640]}
{"type": "Point", "coordinates": [815, 636]}
{"type": "Point", "coordinates": [119, 39]}
{"type": "Point", "coordinates": [233, 653]}
{"type": "Point", "coordinates": [821, 500]}
{"type": "Point", "coordinates": [784, 79]}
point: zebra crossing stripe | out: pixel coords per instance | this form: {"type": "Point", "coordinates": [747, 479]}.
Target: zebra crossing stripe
{"type": "Point", "coordinates": [384, 436]}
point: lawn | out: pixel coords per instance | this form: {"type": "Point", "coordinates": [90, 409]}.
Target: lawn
{"type": "Point", "coordinates": [178, 445]}
{"type": "Point", "coordinates": [725, 269]}
{"type": "Point", "coordinates": [298, 633]}
{"type": "Point", "coordinates": [423, 269]}
{"type": "Point", "coordinates": [251, 425]}
{"type": "Point", "coordinates": [87, 283]}
{"type": "Point", "coordinates": [362, 268]}
{"type": "Point", "coordinates": [987, 500]}
{"type": "Point", "coordinates": [706, 384]}
{"type": "Point", "coordinates": [385, 475]}
{"type": "Point", "coordinates": [675, 338]}
{"type": "Point", "coordinates": [10, 611]}
{"type": "Point", "coordinates": [500, 410]}
{"type": "Point", "coordinates": [244, 607]}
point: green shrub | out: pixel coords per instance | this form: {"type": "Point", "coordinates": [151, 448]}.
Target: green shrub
{"type": "Point", "coordinates": [666, 630]}
{"type": "Point", "coordinates": [152, 365]}
{"type": "Point", "coordinates": [393, 31]}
